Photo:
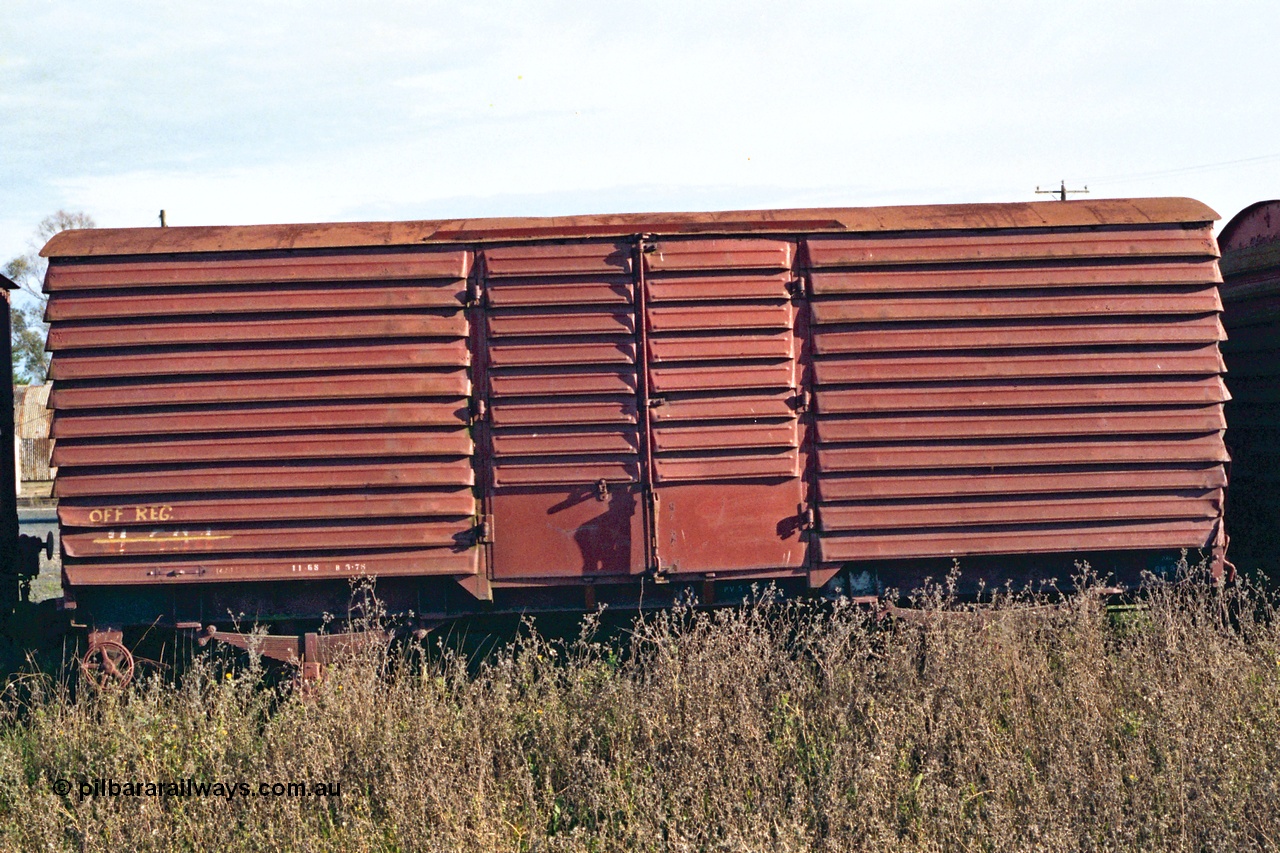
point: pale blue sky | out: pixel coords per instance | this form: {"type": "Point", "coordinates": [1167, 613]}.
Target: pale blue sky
{"type": "Point", "coordinates": [244, 111]}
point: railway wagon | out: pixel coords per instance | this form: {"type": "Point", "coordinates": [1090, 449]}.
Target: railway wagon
{"type": "Point", "coordinates": [557, 413]}
{"type": "Point", "coordinates": [1251, 300]}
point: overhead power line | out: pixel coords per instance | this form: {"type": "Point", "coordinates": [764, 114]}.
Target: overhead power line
{"type": "Point", "coordinates": [1182, 170]}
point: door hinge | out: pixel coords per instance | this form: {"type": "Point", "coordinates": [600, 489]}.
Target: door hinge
{"type": "Point", "coordinates": [803, 400]}
{"type": "Point", "coordinates": [483, 531]}
{"type": "Point", "coordinates": [478, 409]}
{"type": "Point", "coordinates": [797, 289]}
{"type": "Point", "coordinates": [475, 293]}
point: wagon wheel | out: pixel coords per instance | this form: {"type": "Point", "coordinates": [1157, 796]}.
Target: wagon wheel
{"type": "Point", "coordinates": [107, 663]}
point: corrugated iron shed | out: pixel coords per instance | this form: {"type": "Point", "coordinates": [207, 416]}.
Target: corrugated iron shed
{"type": "Point", "coordinates": [32, 422]}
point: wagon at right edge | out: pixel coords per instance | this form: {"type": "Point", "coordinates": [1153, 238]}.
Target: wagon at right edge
{"type": "Point", "coordinates": [1251, 299]}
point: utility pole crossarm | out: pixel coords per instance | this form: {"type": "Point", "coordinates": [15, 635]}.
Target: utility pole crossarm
{"type": "Point", "coordinates": [1062, 191]}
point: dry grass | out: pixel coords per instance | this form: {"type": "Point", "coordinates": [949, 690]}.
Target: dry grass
{"type": "Point", "coordinates": [780, 726]}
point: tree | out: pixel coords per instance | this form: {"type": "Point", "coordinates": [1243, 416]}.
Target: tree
{"type": "Point", "coordinates": [26, 311]}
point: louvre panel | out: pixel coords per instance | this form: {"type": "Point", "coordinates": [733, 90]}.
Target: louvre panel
{"type": "Point", "coordinates": [564, 472]}
{"type": "Point", "coordinates": [726, 317]}
{"type": "Point", "coordinates": [722, 377]}
{"type": "Point", "coordinates": [725, 436]}
{"type": "Point", "coordinates": [456, 503]}
{"type": "Point", "coordinates": [1255, 311]}
{"type": "Point", "coordinates": [197, 479]}
{"type": "Point", "coordinates": [886, 485]}
{"type": "Point", "coordinates": [162, 361]}
{"type": "Point", "coordinates": [778, 345]}
{"type": "Point", "coordinates": [601, 290]}
{"type": "Point", "coordinates": [231, 269]}
{"type": "Point", "coordinates": [355, 386]}
{"type": "Point", "coordinates": [75, 451]}
{"type": "Point", "coordinates": [1019, 246]}
{"type": "Point", "coordinates": [1018, 423]}
{"type": "Point", "coordinates": [562, 384]}
{"type": "Point", "coordinates": [564, 443]}
{"type": "Point", "coordinates": [1018, 305]}
{"type": "Point", "coordinates": [728, 287]}
{"type": "Point", "coordinates": [768, 405]}
{"type": "Point", "coordinates": [973, 455]}
{"type": "Point", "coordinates": [1078, 371]}
{"type": "Point", "coordinates": [269, 329]}
{"type": "Point", "coordinates": [345, 563]}
{"type": "Point", "coordinates": [1079, 537]}
{"type": "Point", "coordinates": [223, 539]}
{"type": "Point", "coordinates": [231, 408]}
{"type": "Point", "coordinates": [675, 469]}
{"type": "Point", "coordinates": [1256, 389]}
{"type": "Point", "coordinates": [259, 300]}
{"type": "Point", "coordinates": [1241, 414]}
{"type": "Point", "coordinates": [1255, 364]}
{"type": "Point", "coordinates": [558, 261]}
{"type": "Point", "coordinates": [259, 418]}
{"type": "Point", "coordinates": [873, 282]}
{"type": "Point", "coordinates": [889, 337]}
{"type": "Point", "coordinates": [1250, 339]}
{"type": "Point", "coordinates": [1041, 510]}
{"type": "Point", "coordinates": [1259, 284]}
{"type": "Point", "coordinates": [718, 255]}
{"type": "Point", "coordinates": [839, 400]}
{"type": "Point", "coordinates": [552, 323]}
{"type": "Point", "coordinates": [536, 353]}
{"type": "Point", "coordinates": [1202, 361]}
{"type": "Point", "coordinates": [584, 410]}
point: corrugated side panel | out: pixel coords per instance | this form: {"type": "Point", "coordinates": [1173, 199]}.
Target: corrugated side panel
{"type": "Point", "coordinates": [724, 403]}
{"type": "Point", "coordinates": [562, 409]}
{"type": "Point", "coordinates": [1037, 391]}
{"type": "Point", "coordinates": [721, 409]}
{"type": "Point", "coordinates": [256, 417]}
{"type": "Point", "coordinates": [562, 364]}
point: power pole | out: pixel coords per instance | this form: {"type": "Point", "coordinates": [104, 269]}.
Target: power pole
{"type": "Point", "coordinates": [1061, 191]}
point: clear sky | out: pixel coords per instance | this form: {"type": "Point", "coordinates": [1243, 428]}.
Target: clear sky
{"type": "Point", "coordinates": [250, 111]}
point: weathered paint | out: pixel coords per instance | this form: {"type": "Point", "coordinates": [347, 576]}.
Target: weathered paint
{"type": "Point", "coordinates": [1078, 371]}
{"type": "Point", "coordinates": [765, 393]}
{"type": "Point", "coordinates": [211, 412]}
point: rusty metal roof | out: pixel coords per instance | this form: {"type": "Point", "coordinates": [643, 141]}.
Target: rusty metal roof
{"type": "Point", "coordinates": [1257, 223]}
{"type": "Point", "coordinates": [962, 217]}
